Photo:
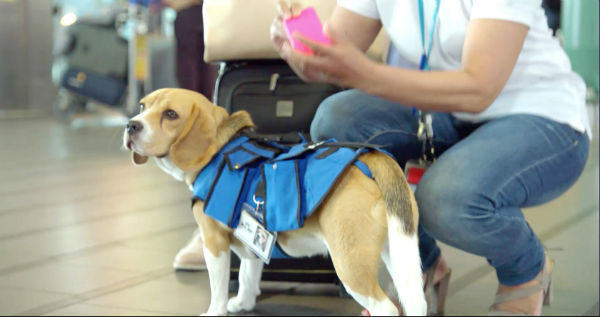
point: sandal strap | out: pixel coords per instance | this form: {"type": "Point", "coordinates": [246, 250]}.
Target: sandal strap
{"type": "Point", "coordinates": [430, 274]}
{"type": "Point", "coordinates": [504, 313]}
{"type": "Point", "coordinates": [509, 296]}
{"type": "Point", "coordinates": [544, 279]}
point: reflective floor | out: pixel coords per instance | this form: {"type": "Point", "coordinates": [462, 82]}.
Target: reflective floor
{"type": "Point", "coordinates": [84, 232]}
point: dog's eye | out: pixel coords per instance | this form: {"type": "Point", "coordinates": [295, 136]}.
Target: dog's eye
{"type": "Point", "coordinates": [170, 114]}
{"type": "Point", "coordinates": [142, 106]}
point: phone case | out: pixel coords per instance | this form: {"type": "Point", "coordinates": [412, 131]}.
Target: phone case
{"type": "Point", "coordinates": [307, 24]}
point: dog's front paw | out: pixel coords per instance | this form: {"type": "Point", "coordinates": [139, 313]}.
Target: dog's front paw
{"type": "Point", "coordinates": [238, 303]}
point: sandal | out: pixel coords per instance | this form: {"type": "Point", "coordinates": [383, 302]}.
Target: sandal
{"type": "Point", "coordinates": [545, 285]}
{"type": "Point", "coordinates": [435, 294]}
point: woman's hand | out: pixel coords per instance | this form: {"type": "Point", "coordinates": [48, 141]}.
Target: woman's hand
{"type": "Point", "coordinates": [341, 63]}
{"type": "Point", "coordinates": [281, 41]}
{"type": "Point", "coordinates": [278, 35]}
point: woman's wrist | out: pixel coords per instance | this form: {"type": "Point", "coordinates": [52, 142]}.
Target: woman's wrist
{"type": "Point", "coordinates": [371, 81]}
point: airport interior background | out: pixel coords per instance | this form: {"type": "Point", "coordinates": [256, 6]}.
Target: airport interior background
{"type": "Point", "coordinates": [84, 232]}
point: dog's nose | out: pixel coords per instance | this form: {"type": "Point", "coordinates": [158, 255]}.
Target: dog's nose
{"type": "Point", "coordinates": [134, 127]}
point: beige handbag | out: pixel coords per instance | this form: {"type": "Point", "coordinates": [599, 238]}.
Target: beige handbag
{"type": "Point", "coordinates": [240, 29]}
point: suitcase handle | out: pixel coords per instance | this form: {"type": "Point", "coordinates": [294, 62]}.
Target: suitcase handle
{"type": "Point", "coordinates": [273, 81]}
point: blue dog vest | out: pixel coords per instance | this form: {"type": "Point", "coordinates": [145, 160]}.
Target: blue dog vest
{"type": "Point", "coordinates": [289, 182]}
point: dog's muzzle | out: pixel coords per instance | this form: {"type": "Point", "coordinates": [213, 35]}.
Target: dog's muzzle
{"type": "Point", "coordinates": [134, 127]}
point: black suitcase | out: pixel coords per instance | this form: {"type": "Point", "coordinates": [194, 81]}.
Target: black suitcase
{"type": "Point", "coordinates": [276, 98]}
{"type": "Point", "coordinates": [279, 102]}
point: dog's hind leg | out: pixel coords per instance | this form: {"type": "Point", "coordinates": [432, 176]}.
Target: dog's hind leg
{"type": "Point", "coordinates": [358, 272]}
{"type": "Point", "coordinates": [249, 279]}
{"type": "Point", "coordinates": [355, 245]}
{"type": "Point", "coordinates": [376, 307]}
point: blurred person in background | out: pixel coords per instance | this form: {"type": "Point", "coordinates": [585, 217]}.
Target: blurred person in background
{"type": "Point", "coordinates": [194, 74]}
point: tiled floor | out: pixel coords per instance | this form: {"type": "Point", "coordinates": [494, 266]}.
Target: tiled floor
{"type": "Point", "coordinates": [84, 232]}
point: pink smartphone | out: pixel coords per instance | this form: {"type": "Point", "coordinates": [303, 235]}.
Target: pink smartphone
{"type": "Point", "coordinates": [307, 24]}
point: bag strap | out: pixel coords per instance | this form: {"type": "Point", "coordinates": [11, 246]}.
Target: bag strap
{"type": "Point", "coordinates": [354, 145]}
{"type": "Point", "coordinates": [285, 138]}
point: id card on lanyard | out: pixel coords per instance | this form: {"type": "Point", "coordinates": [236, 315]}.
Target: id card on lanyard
{"type": "Point", "coordinates": [414, 169]}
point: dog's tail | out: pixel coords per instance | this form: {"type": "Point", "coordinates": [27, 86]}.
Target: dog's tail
{"type": "Point", "coordinates": [399, 200]}
{"type": "Point", "coordinates": [402, 256]}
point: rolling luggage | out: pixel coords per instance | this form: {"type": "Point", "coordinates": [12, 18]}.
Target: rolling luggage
{"type": "Point", "coordinates": [96, 65]}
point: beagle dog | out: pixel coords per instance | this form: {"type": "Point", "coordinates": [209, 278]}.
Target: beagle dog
{"type": "Point", "coordinates": [362, 221]}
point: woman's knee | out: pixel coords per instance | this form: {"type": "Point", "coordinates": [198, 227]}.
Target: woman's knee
{"type": "Point", "coordinates": [433, 212]}
{"type": "Point", "coordinates": [449, 208]}
{"type": "Point", "coordinates": [335, 116]}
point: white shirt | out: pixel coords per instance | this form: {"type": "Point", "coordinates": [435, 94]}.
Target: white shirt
{"type": "Point", "coordinates": [542, 82]}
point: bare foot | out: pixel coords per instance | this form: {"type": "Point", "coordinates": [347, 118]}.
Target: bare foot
{"type": "Point", "coordinates": [440, 271]}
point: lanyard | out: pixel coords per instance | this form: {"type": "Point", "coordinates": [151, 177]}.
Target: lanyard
{"type": "Point", "coordinates": [424, 64]}
{"type": "Point", "coordinates": [425, 131]}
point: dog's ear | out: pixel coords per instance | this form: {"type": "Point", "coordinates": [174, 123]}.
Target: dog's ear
{"type": "Point", "coordinates": [138, 159]}
{"type": "Point", "coordinates": [232, 124]}
{"type": "Point", "coordinates": [197, 142]}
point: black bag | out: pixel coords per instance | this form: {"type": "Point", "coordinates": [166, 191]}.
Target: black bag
{"type": "Point", "coordinates": [276, 98]}
{"type": "Point", "coordinates": [108, 90]}
{"type": "Point", "coordinates": [279, 102]}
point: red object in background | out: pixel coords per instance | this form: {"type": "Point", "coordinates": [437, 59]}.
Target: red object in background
{"type": "Point", "coordinates": [415, 174]}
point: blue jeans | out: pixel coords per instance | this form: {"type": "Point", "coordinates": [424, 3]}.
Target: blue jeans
{"type": "Point", "coordinates": [470, 198]}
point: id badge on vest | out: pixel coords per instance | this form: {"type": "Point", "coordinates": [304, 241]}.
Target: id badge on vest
{"type": "Point", "coordinates": [254, 235]}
